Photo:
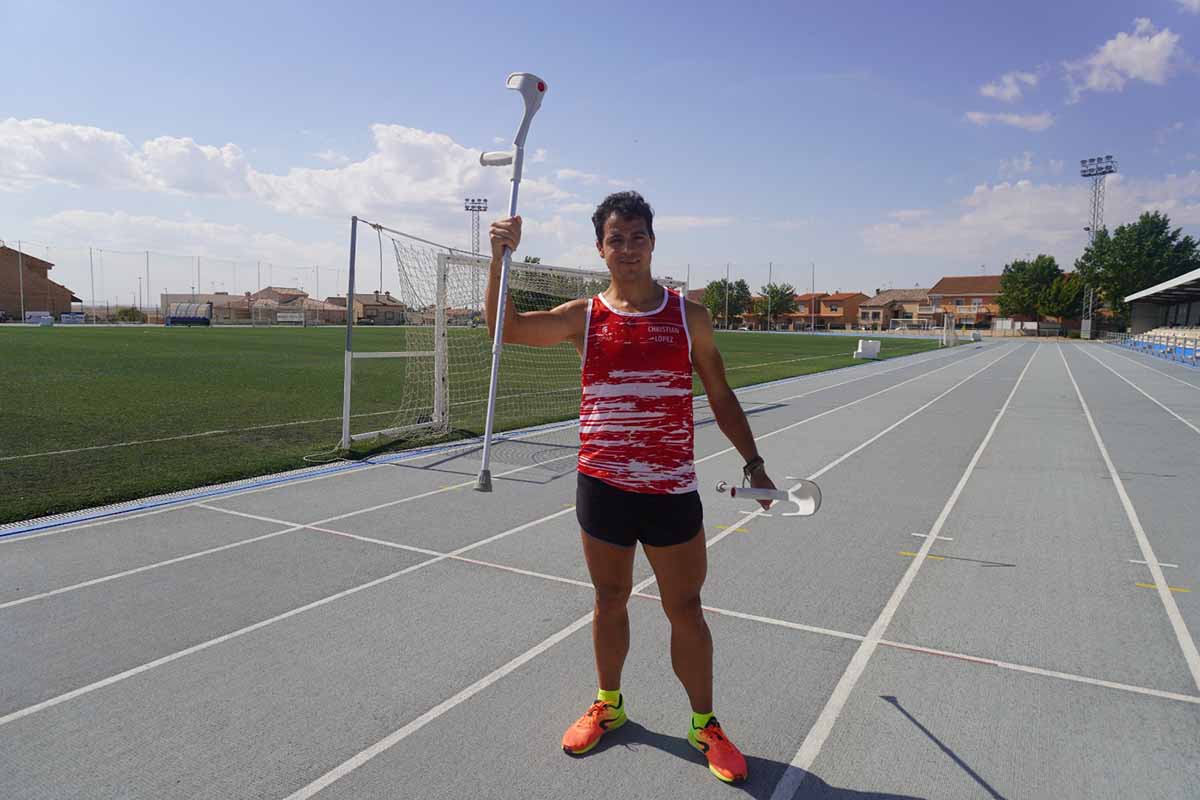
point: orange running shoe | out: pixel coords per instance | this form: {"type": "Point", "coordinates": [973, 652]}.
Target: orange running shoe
{"type": "Point", "coordinates": [724, 759]}
{"type": "Point", "coordinates": [601, 718]}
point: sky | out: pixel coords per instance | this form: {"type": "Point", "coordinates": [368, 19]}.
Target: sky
{"type": "Point", "coordinates": [877, 144]}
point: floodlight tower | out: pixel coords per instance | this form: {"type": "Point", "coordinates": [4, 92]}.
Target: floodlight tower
{"type": "Point", "coordinates": [1097, 169]}
{"type": "Point", "coordinates": [475, 205]}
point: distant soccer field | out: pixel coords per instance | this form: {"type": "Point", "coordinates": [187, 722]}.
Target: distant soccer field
{"type": "Point", "coordinates": [99, 415]}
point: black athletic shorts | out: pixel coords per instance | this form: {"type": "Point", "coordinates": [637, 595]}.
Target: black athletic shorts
{"type": "Point", "coordinates": [625, 518]}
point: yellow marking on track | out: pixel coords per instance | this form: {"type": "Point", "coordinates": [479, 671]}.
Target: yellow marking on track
{"type": "Point", "coordinates": [1154, 586]}
{"type": "Point", "coordinates": [914, 555]}
{"type": "Point", "coordinates": [735, 530]}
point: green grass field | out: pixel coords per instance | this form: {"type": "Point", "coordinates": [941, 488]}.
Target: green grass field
{"type": "Point", "coordinates": [205, 393]}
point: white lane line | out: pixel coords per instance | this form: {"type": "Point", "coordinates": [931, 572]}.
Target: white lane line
{"type": "Point", "coordinates": [357, 760]}
{"type": "Point", "coordinates": [862, 399]}
{"type": "Point", "coordinates": [1146, 394]}
{"type": "Point", "coordinates": [1047, 673]}
{"type": "Point", "coordinates": [316, 525]}
{"type": "Point", "coordinates": [802, 762]}
{"type": "Point", "coordinates": [1186, 643]}
{"type": "Point", "coordinates": [939, 538]}
{"type": "Point", "coordinates": [1175, 378]}
{"type": "Point", "coordinates": [318, 603]}
{"type": "Point", "coordinates": [1161, 563]}
{"type": "Point", "coordinates": [145, 568]}
{"type": "Point", "coordinates": [830, 632]}
{"type": "Point", "coordinates": [129, 673]}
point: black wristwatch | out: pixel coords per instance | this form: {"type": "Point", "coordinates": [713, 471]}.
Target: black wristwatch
{"type": "Point", "coordinates": [753, 464]}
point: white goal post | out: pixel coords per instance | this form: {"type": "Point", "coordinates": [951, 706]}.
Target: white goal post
{"type": "Point", "coordinates": [421, 370]}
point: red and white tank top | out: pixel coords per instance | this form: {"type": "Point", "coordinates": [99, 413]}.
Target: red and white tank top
{"type": "Point", "coordinates": [635, 416]}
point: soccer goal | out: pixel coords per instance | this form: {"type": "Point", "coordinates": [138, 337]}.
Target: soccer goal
{"type": "Point", "coordinates": [426, 375]}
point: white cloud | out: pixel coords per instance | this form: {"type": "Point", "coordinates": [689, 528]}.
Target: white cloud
{"type": "Point", "coordinates": [576, 175]}
{"type": "Point", "coordinates": [1030, 122]}
{"type": "Point", "coordinates": [1189, 5]}
{"type": "Point", "coordinates": [332, 157]}
{"type": "Point", "coordinates": [909, 213]}
{"type": "Point", "coordinates": [36, 151]}
{"type": "Point", "coordinates": [539, 156]}
{"type": "Point", "coordinates": [998, 222]}
{"type": "Point", "coordinates": [1017, 165]}
{"type": "Point", "coordinates": [1147, 55]}
{"type": "Point", "coordinates": [683, 223]}
{"type": "Point", "coordinates": [409, 172]}
{"type": "Point", "coordinates": [1056, 166]}
{"type": "Point", "coordinates": [1008, 88]}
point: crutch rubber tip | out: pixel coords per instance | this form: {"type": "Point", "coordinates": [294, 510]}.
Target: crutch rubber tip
{"type": "Point", "coordinates": [484, 483]}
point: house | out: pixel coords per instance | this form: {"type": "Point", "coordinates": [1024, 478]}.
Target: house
{"type": "Point", "coordinates": [902, 305]}
{"type": "Point", "coordinates": [840, 310]}
{"type": "Point", "coordinates": [25, 285]}
{"type": "Point", "coordinates": [382, 309]}
{"type": "Point", "coordinates": [972, 299]}
{"type": "Point", "coordinates": [805, 315]}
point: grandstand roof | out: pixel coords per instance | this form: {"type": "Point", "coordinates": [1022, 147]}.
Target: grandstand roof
{"type": "Point", "coordinates": [1177, 290]}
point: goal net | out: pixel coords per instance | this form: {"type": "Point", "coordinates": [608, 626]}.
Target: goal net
{"type": "Point", "coordinates": [420, 371]}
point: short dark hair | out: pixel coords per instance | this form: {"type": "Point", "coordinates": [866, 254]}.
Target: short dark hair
{"type": "Point", "coordinates": [627, 205]}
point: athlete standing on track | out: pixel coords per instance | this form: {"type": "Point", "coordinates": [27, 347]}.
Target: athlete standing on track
{"type": "Point", "coordinates": [639, 343]}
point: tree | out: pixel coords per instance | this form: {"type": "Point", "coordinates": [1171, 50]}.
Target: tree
{"type": "Point", "coordinates": [715, 295]}
{"type": "Point", "coordinates": [1062, 299]}
{"type": "Point", "coordinates": [782, 298]}
{"type": "Point", "coordinates": [1022, 284]}
{"type": "Point", "coordinates": [1135, 257]}
{"type": "Point", "coordinates": [533, 259]}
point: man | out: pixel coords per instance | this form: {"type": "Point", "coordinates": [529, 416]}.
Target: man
{"type": "Point", "coordinates": [639, 343]}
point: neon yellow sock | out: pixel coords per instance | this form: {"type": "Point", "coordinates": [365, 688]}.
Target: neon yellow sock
{"type": "Point", "coordinates": [700, 720]}
{"type": "Point", "coordinates": [613, 698]}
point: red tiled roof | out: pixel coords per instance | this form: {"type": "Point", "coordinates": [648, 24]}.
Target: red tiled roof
{"type": "Point", "coordinates": [843, 296]}
{"type": "Point", "coordinates": [800, 298]}
{"type": "Point", "coordinates": [897, 296]}
{"type": "Point", "coordinates": [967, 284]}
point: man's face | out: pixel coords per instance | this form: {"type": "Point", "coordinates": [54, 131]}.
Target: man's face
{"type": "Point", "coordinates": [626, 246]}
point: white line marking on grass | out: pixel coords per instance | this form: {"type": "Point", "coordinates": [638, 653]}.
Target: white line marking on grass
{"type": "Point", "coordinates": [318, 420]}
{"type": "Point", "coordinates": [452, 448]}
{"type": "Point", "coordinates": [356, 761]}
{"type": "Point", "coordinates": [316, 525]}
{"type": "Point", "coordinates": [146, 568]}
{"type": "Point", "coordinates": [1186, 643]}
{"type": "Point", "coordinates": [802, 762]}
{"type": "Point", "coordinates": [354, 590]}
{"type": "Point", "coordinates": [1140, 389]}
{"type": "Point", "coordinates": [1175, 378]}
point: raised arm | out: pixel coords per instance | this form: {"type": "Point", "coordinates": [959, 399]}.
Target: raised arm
{"type": "Point", "coordinates": [535, 328]}
{"type": "Point", "coordinates": [728, 411]}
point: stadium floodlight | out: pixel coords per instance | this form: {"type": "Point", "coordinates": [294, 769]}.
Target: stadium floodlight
{"type": "Point", "coordinates": [475, 205]}
{"type": "Point", "coordinates": [532, 89]}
